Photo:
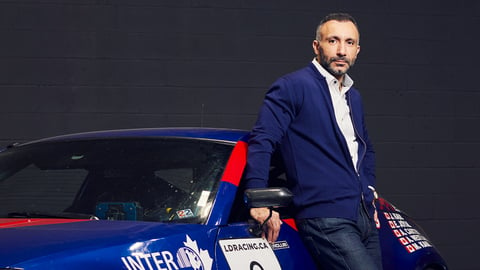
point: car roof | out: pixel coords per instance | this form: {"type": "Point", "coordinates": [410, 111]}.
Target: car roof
{"type": "Point", "coordinates": [217, 134]}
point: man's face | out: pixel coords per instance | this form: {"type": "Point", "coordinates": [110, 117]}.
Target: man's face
{"type": "Point", "coordinates": [338, 47]}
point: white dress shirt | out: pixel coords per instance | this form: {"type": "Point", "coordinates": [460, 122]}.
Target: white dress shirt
{"type": "Point", "coordinates": [341, 109]}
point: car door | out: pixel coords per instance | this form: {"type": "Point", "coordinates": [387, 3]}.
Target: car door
{"type": "Point", "coordinates": [237, 248]}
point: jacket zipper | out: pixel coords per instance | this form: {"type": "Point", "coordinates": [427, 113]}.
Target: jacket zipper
{"type": "Point", "coordinates": [364, 152]}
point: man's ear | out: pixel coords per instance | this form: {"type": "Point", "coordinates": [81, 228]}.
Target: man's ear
{"type": "Point", "coordinates": [315, 45]}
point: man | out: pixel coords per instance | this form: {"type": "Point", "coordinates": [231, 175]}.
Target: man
{"type": "Point", "coordinates": [314, 117]}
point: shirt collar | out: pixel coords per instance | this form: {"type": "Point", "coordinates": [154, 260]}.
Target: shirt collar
{"type": "Point", "coordinates": [347, 80]}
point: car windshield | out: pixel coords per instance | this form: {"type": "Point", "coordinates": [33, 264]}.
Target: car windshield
{"type": "Point", "coordinates": [148, 179]}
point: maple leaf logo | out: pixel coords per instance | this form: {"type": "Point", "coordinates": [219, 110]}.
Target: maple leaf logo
{"type": "Point", "coordinates": [192, 256]}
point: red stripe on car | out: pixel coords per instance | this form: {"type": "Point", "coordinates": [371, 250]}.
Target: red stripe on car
{"type": "Point", "coordinates": [291, 222]}
{"type": "Point", "coordinates": [236, 164]}
{"type": "Point", "coordinates": [22, 222]}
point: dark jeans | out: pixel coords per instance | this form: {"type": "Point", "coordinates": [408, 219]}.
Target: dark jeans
{"type": "Point", "coordinates": [337, 243]}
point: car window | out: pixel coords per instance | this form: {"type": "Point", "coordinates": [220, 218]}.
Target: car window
{"type": "Point", "coordinates": [19, 193]}
{"type": "Point", "coordinates": [168, 180]}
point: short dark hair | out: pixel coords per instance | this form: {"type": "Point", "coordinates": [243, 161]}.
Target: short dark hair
{"type": "Point", "coordinates": [341, 17]}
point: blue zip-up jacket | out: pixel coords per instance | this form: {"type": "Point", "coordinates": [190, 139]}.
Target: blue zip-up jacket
{"type": "Point", "coordinates": [297, 116]}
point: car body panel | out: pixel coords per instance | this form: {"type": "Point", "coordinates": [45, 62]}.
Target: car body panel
{"type": "Point", "coordinates": [289, 250]}
{"type": "Point", "coordinates": [101, 241]}
{"type": "Point", "coordinates": [405, 241]}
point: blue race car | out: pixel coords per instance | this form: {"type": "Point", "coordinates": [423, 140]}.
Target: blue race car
{"type": "Point", "coordinates": [148, 199]}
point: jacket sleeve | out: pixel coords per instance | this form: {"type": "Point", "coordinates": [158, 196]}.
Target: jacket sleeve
{"type": "Point", "coordinates": [274, 118]}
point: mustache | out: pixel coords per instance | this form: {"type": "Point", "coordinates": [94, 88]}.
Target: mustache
{"type": "Point", "coordinates": [339, 58]}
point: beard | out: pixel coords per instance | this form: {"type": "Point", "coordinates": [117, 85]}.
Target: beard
{"type": "Point", "coordinates": [332, 69]}
{"type": "Point", "coordinates": [326, 63]}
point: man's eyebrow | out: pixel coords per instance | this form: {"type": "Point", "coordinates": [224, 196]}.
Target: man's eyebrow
{"type": "Point", "coordinates": [339, 38]}
{"type": "Point", "coordinates": [332, 37]}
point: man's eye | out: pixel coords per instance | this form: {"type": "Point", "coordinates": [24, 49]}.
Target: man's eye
{"type": "Point", "coordinates": [350, 43]}
{"type": "Point", "coordinates": [332, 41]}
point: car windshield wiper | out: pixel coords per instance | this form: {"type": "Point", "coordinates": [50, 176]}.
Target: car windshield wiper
{"type": "Point", "coordinates": [37, 214]}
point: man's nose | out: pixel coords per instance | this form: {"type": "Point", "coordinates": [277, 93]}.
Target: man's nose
{"type": "Point", "coordinates": [342, 49]}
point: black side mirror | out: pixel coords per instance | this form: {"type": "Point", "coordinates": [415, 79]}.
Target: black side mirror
{"type": "Point", "coordinates": [266, 197]}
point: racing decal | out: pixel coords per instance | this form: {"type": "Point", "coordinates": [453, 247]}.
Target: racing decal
{"type": "Point", "coordinates": [189, 256]}
{"type": "Point", "coordinates": [185, 213]}
{"type": "Point", "coordinates": [249, 254]}
{"type": "Point", "coordinates": [280, 245]}
{"type": "Point", "coordinates": [408, 236]}
{"type": "Point", "coordinates": [202, 201]}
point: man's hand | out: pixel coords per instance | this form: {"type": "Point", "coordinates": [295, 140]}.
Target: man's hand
{"type": "Point", "coordinates": [272, 225]}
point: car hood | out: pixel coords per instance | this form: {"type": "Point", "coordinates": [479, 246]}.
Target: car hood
{"type": "Point", "coordinates": [26, 239]}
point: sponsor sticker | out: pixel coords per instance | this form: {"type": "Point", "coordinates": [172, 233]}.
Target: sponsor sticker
{"type": "Point", "coordinates": [249, 254]}
{"type": "Point", "coordinates": [202, 201]}
{"type": "Point", "coordinates": [408, 236]}
{"type": "Point", "coordinates": [185, 213]}
{"type": "Point", "coordinates": [189, 256]}
{"type": "Point", "coordinates": [280, 245]}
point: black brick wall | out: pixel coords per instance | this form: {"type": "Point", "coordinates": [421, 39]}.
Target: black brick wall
{"type": "Point", "coordinates": [82, 65]}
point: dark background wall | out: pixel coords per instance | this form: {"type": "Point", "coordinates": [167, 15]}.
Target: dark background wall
{"type": "Point", "coordinates": [82, 65]}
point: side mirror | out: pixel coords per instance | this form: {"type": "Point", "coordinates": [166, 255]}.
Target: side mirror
{"type": "Point", "coordinates": [268, 197]}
